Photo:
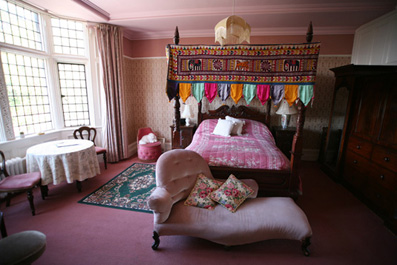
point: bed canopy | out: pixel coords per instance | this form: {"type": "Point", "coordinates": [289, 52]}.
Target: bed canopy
{"type": "Point", "coordinates": [269, 72]}
{"type": "Point", "coordinates": [276, 72]}
{"type": "Point", "coordinates": [264, 71]}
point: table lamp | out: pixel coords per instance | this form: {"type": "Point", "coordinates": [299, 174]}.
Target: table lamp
{"type": "Point", "coordinates": [285, 111]}
{"type": "Point", "coordinates": [187, 114]}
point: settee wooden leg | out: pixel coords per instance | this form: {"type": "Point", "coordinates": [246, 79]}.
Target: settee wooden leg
{"type": "Point", "coordinates": [305, 244]}
{"type": "Point", "coordinates": [156, 238]}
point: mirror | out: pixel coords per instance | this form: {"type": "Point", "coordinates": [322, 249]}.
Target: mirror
{"type": "Point", "coordinates": [334, 136]}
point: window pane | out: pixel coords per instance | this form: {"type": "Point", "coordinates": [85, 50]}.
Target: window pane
{"type": "Point", "coordinates": [27, 99]}
{"type": "Point", "coordinates": [68, 36]}
{"type": "Point", "coordinates": [74, 101]}
{"type": "Point", "coordinates": [19, 26]}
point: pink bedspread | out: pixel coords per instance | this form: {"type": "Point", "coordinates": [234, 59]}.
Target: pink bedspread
{"type": "Point", "coordinates": [256, 148]}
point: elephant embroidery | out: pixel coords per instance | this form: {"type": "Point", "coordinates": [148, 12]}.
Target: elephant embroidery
{"type": "Point", "coordinates": [194, 65]}
{"type": "Point", "coordinates": [291, 65]}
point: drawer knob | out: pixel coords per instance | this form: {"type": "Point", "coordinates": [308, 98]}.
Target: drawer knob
{"type": "Point", "coordinates": [355, 162]}
{"type": "Point", "coordinates": [382, 177]}
{"type": "Point", "coordinates": [387, 159]}
{"type": "Point", "coordinates": [358, 147]}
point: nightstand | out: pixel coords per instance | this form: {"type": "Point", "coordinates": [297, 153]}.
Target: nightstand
{"type": "Point", "coordinates": [180, 141]}
{"type": "Point", "coordinates": [284, 138]}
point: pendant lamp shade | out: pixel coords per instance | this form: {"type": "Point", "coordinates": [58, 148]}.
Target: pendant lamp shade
{"type": "Point", "coordinates": [232, 30]}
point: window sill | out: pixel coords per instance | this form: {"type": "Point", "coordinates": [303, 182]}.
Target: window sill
{"type": "Point", "coordinates": [18, 146]}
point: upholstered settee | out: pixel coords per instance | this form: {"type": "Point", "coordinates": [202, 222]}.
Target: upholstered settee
{"type": "Point", "coordinates": [255, 220]}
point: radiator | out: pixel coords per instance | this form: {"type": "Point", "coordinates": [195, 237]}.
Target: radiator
{"type": "Point", "coordinates": [16, 166]}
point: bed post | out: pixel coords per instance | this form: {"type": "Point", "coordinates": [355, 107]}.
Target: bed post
{"type": "Point", "coordinates": [296, 151]}
{"type": "Point", "coordinates": [309, 33]}
{"type": "Point", "coordinates": [268, 109]}
{"type": "Point", "coordinates": [177, 105]}
{"type": "Point", "coordinates": [199, 113]}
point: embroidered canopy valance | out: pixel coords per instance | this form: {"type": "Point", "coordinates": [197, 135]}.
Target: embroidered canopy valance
{"type": "Point", "coordinates": [249, 71]}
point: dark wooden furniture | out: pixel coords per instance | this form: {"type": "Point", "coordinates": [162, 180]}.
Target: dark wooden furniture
{"type": "Point", "coordinates": [271, 182]}
{"type": "Point", "coordinates": [184, 138]}
{"type": "Point", "coordinates": [284, 138]}
{"type": "Point", "coordinates": [20, 183]}
{"type": "Point", "coordinates": [89, 133]}
{"type": "Point", "coordinates": [367, 157]}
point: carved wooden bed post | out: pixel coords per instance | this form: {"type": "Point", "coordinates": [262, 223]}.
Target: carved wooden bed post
{"type": "Point", "coordinates": [177, 105]}
{"type": "Point", "coordinates": [309, 33]}
{"type": "Point", "coordinates": [268, 109]}
{"type": "Point", "coordinates": [296, 151]}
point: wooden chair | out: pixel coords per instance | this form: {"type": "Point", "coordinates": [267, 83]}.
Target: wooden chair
{"type": "Point", "coordinates": [20, 183]}
{"type": "Point", "coordinates": [89, 133]}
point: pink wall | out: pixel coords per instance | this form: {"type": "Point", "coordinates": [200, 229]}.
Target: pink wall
{"type": "Point", "coordinates": [330, 44]}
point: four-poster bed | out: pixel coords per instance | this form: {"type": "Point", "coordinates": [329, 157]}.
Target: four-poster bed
{"type": "Point", "coordinates": [290, 67]}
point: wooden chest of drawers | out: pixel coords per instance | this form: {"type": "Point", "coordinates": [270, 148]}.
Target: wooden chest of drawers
{"type": "Point", "coordinates": [184, 138]}
{"type": "Point", "coordinates": [369, 145]}
{"type": "Point", "coordinates": [284, 138]}
{"type": "Point", "coordinates": [366, 173]}
{"type": "Point", "coordinates": [385, 157]}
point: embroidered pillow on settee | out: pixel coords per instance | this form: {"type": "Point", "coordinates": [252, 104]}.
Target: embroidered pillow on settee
{"type": "Point", "coordinates": [232, 193]}
{"type": "Point", "coordinates": [200, 194]}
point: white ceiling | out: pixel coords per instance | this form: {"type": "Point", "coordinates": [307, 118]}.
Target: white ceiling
{"type": "Point", "coordinates": [157, 19]}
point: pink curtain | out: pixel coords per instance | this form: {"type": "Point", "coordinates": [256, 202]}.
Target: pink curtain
{"type": "Point", "coordinates": [110, 45]}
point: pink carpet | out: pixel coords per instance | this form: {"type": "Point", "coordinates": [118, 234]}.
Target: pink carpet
{"type": "Point", "coordinates": [345, 231]}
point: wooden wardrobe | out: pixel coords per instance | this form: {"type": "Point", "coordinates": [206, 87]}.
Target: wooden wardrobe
{"type": "Point", "coordinates": [366, 157]}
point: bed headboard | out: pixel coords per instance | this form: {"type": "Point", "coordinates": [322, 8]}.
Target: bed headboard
{"type": "Point", "coordinates": [237, 112]}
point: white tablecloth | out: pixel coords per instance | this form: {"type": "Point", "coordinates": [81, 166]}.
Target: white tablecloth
{"type": "Point", "coordinates": [64, 160]}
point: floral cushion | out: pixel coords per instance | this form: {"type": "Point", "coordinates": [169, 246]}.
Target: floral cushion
{"type": "Point", "coordinates": [232, 193]}
{"type": "Point", "coordinates": [200, 194]}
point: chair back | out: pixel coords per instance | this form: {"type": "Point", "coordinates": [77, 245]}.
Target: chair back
{"type": "Point", "coordinates": [142, 132]}
{"type": "Point", "coordinates": [86, 133]}
{"type": "Point", "coordinates": [177, 171]}
{"type": "Point", "coordinates": [3, 170]}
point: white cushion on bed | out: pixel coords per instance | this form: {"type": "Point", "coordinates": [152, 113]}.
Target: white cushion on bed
{"type": "Point", "coordinates": [238, 125]}
{"type": "Point", "coordinates": [223, 128]}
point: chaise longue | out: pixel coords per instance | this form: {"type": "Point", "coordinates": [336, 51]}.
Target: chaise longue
{"type": "Point", "coordinates": [255, 220]}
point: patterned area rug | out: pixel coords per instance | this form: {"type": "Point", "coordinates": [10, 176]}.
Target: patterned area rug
{"type": "Point", "coordinates": [128, 191]}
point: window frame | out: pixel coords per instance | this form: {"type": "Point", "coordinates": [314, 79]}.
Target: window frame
{"type": "Point", "coordinates": [90, 60]}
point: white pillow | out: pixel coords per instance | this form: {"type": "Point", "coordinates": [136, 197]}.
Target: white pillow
{"type": "Point", "coordinates": [238, 125]}
{"type": "Point", "coordinates": [223, 128]}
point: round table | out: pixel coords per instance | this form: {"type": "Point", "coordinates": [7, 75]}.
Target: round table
{"type": "Point", "coordinates": [63, 160]}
